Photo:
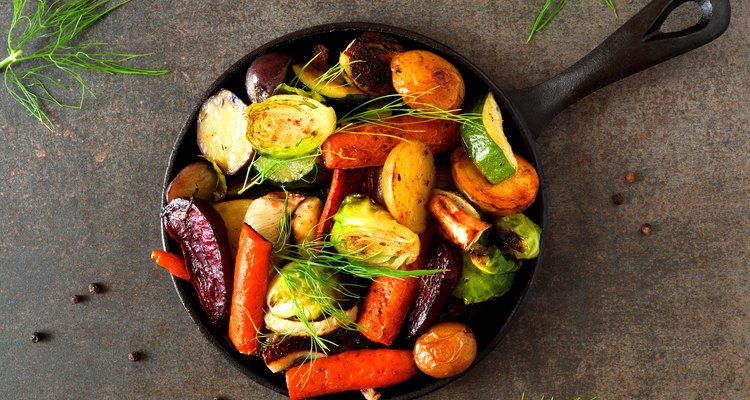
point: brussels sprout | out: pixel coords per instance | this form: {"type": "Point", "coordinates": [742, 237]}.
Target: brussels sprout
{"type": "Point", "coordinates": [288, 125]}
{"type": "Point", "coordinates": [491, 260]}
{"type": "Point", "coordinates": [366, 231]}
{"type": "Point", "coordinates": [476, 286]}
{"type": "Point", "coordinates": [292, 290]}
{"type": "Point", "coordinates": [519, 236]}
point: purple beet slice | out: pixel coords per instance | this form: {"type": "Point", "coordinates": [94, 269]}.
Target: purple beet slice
{"type": "Point", "coordinates": [201, 233]}
{"type": "Point", "coordinates": [434, 290]}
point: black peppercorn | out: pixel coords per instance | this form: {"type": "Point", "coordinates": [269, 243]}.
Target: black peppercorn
{"type": "Point", "coordinates": [618, 199]}
{"type": "Point", "coordinates": [646, 229]}
{"type": "Point", "coordinates": [36, 337]}
{"type": "Point", "coordinates": [134, 356]}
{"type": "Point", "coordinates": [74, 299]}
{"type": "Point", "coordinates": [94, 288]}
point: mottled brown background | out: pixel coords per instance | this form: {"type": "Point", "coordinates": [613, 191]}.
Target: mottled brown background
{"type": "Point", "coordinates": [612, 313]}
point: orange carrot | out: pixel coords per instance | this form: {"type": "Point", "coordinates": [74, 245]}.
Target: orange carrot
{"type": "Point", "coordinates": [172, 263]}
{"type": "Point", "coordinates": [343, 183]}
{"type": "Point", "coordinates": [368, 145]}
{"type": "Point", "coordinates": [250, 286]}
{"type": "Point", "coordinates": [388, 301]}
{"type": "Point", "coordinates": [350, 370]}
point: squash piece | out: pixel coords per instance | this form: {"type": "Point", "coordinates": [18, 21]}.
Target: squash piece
{"type": "Point", "coordinates": [507, 197]}
{"type": "Point", "coordinates": [407, 179]}
{"type": "Point", "coordinates": [233, 213]}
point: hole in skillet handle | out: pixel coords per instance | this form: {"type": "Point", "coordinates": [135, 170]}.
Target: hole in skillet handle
{"type": "Point", "coordinates": [490, 320]}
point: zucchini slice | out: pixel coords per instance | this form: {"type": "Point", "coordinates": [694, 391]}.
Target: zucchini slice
{"type": "Point", "coordinates": [485, 141]}
{"type": "Point", "coordinates": [330, 88]}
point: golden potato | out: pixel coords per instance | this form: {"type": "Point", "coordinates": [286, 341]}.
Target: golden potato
{"type": "Point", "coordinates": [507, 197]}
{"type": "Point", "coordinates": [407, 179]}
{"type": "Point", "coordinates": [233, 214]}
{"type": "Point", "coordinates": [447, 349]}
{"type": "Point", "coordinates": [422, 77]}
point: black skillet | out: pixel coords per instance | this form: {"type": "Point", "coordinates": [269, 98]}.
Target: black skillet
{"type": "Point", "coordinates": [637, 45]}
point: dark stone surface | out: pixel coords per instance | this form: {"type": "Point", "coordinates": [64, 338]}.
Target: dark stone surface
{"type": "Point", "coordinates": [613, 313]}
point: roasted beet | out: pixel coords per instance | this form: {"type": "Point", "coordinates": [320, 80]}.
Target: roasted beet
{"type": "Point", "coordinates": [200, 231]}
{"type": "Point", "coordinates": [265, 73]}
{"type": "Point", "coordinates": [434, 290]}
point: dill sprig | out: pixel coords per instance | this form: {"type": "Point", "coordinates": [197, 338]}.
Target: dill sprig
{"type": "Point", "coordinates": [546, 15]}
{"type": "Point", "coordinates": [384, 109]}
{"type": "Point", "coordinates": [41, 46]}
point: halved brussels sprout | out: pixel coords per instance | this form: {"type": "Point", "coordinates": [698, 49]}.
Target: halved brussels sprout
{"type": "Point", "coordinates": [491, 260]}
{"type": "Point", "coordinates": [366, 231]}
{"type": "Point", "coordinates": [288, 292]}
{"type": "Point", "coordinates": [288, 125]}
{"type": "Point", "coordinates": [519, 236]}
{"type": "Point", "coordinates": [475, 286]}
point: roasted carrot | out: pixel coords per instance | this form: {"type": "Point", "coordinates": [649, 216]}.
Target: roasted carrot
{"type": "Point", "coordinates": [388, 301]}
{"type": "Point", "coordinates": [250, 286]}
{"type": "Point", "coordinates": [171, 262]}
{"type": "Point", "coordinates": [343, 183]}
{"type": "Point", "coordinates": [350, 370]}
{"type": "Point", "coordinates": [368, 145]}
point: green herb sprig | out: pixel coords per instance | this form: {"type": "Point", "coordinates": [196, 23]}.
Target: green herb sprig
{"type": "Point", "coordinates": [546, 14]}
{"type": "Point", "coordinates": [41, 48]}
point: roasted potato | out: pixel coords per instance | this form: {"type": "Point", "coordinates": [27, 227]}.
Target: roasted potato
{"type": "Point", "coordinates": [197, 179]}
{"type": "Point", "coordinates": [424, 78]}
{"type": "Point", "coordinates": [507, 197]}
{"type": "Point", "coordinates": [233, 214]}
{"type": "Point", "coordinates": [407, 179]}
{"type": "Point", "coordinates": [222, 132]}
{"type": "Point", "coordinates": [367, 61]}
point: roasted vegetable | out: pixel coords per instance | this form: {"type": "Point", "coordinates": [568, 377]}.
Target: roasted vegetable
{"type": "Point", "coordinates": [446, 349]}
{"type": "Point", "coordinates": [367, 62]}
{"type": "Point", "coordinates": [343, 183]}
{"type": "Point", "coordinates": [475, 286]}
{"type": "Point", "coordinates": [434, 290]}
{"type": "Point", "coordinates": [295, 173]}
{"type": "Point", "coordinates": [197, 179]}
{"type": "Point", "coordinates": [407, 179]}
{"type": "Point", "coordinates": [350, 370]}
{"type": "Point", "coordinates": [287, 125]}
{"type": "Point", "coordinates": [172, 263]}
{"type": "Point", "coordinates": [426, 80]}
{"type": "Point", "coordinates": [233, 213]}
{"type": "Point", "coordinates": [266, 73]}
{"type": "Point", "coordinates": [485, 142]}
{"type": "Point", "coordinates": [490, 260]}
{"type": "Point", "coordinates": [222, 129]}
{"type": "Point", "coordinates": [508, 197]}
{"type": "Point", "coordinates": [366, 231]}
{"type": "Point", "coordinates": [250, 285]}
{"type": "Point", "coordinates": [372, 184]}
{"type": "Point", "coordinates": [457, 220]}
{"type": "Point", "coordinates": [333, 87]}
{"type": "Point", "coordinates": [287, 293]}
{"type": "Point", "coordinates": [323, 327]}
{"type": "Point", "coordinates": [200, 231]}
{"type": "Point", "coordinates": [305, 220]}
{"type": "Point", "coordinates": [368, 144]}
{"type": "Point", "coordinates": [282, 354]}
{"type": "Point", "coordinates": [266, 214]}
{"type": "Point", "coordinates": [518, 236]}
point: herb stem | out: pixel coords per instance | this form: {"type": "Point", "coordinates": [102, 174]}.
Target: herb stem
{"type": "Point", "coordinates": [13, 57]}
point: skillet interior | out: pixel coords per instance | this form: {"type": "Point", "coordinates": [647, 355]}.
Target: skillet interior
{"type": "Point", "coordinates": [489, 320]}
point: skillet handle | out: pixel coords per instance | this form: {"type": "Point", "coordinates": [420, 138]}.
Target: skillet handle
{"type": "Point", "coordinates": [637, 45]}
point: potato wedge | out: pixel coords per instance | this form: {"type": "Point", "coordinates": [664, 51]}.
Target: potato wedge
{"type": "Point", "coordinates": [233, 214]}
{"type": "Point", "coordinates": [507, 197]}
{"type": "Point", "coordinates": [422, 77]}
{"type": "Point", "coordinates": [222, 132]}
{"type": "Point", "coordinates": [305, 220]}
{"type": "Point", "coordinates": [368, 145]}
{"type": "Point", "coordinates": [408, 177]}
{"type": "Point", "coordinates": [197, 179]}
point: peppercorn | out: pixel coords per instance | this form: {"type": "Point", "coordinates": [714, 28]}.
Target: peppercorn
{"type": "Point", "coordinates": [134, 356]}
{"type": "Point", "coordinates": [618, 199]}
{"type": "Point", "coordinates": [36, 337]}
{"type": "Point", "coordinates": [74, 299]}
{"type": "Point", "coordinates": [630, 177]}
{"type": "Point", "coordinates": [94, 288]}
{"type": "Point", "coordinates": [646, 229]}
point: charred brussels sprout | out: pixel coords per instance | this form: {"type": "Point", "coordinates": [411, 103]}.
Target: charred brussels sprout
{"type": "Point", "coordinates": [491, 260]}
{"type": "Point", "coordinates": [367, 63]}
{"type": "Point", "coordinates": [287, 125]}
{"type": "Point", "coordinates": [519, 236]}
{"type": "Point", "coordinates": [475, 286]}
{"type": "Point", "coordinates": [366, 231]}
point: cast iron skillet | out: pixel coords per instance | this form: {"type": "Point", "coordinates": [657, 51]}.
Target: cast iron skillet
{"type": "Point", "coordinates": [637, 45]}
